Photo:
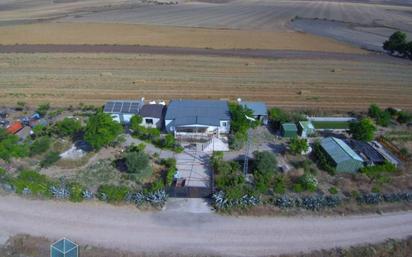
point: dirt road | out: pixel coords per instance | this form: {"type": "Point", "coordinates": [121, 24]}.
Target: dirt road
{"type": "Point", "coordinates": [128, 229]}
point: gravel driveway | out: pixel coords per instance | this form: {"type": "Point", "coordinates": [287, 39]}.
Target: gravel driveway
{"type": "Point", "coordinates": [128, 229]}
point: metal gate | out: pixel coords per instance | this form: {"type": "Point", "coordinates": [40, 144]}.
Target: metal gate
{"type": "Point", "coordinates": [189, 192]}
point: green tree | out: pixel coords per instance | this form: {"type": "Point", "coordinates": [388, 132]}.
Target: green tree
{"type": "Point", "coordinates": [298, 146]}
{"type": "Point", "coordinates": [265, 170]}
{"type": "Point", "coordinates": [101, 130]}
{"type": "Point", "coordinates": [239, 122]}
{"type": "Point", "coordinates": [362, 130]}
{"type": "Point", "coordinates": [10, 146]}
{"type": "Point", "coordinates": [135, 123]}
{"type": "Point", "coordinates": [278, 116]}
{"type": "Point", "coordinates": [67, 127]}
{"type": "Point", "coordinates": [396, 43]}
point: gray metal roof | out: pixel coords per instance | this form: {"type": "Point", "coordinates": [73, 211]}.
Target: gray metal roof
{"type": "Point", "coordinates": [123, 106]}
{"type": "Point", "coordinates": [202, 112]}
{"type": "Point", "coordinates": [152, 110]}
{"type": "Point", "coordinates": [338, 150]}
{"type": "Point", "coordinates": [258, 108]}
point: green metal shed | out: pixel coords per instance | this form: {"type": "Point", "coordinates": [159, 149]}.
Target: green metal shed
{"type": "Point", "coordinates": [305, 128]}
{"type": "Point", "coordinates": [289, 130]}
{"type": "Point", "coordinates": [341, 156]}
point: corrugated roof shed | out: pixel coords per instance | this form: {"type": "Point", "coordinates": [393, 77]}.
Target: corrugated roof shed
{"type": "Point", "coordinates": [289, 127]}
{"type": "Point", "coordinates": [258, 108]}
{"type": "Point", "coordinates": [307, 125]}
{"type": "Point", "coordinates": [338, 150]}
{"type": "Point", "coordinates": [204, 112]}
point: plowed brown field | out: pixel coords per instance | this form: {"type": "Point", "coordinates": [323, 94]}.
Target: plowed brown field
{"type": "Point", "coordinates": [67, 79]}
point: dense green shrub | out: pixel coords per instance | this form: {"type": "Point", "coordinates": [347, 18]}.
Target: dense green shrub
{"type": "Point", "coordinates": [170, 164]}
{"type": "Point", "coordinates": [67, 127]}
{"type": "Point", "coordinates": [76, 192]}
{"type": "Point", "coordinates": [381, 117]}
{"type": "Point", "coordinates": [379, 173]}
{"type": "Point", "coordinates": [40, 145]}
{"type": "Point", "coordinates": [308, 182]}
{"type": "Point", "coordinates": [280, 187]}
{"type": "Point", "coordinates": [111, 193]}
{"type": "Point", "coordinates": [42, 109]}
{"type": "Point", "coordinates": [36, 183]}
{"type": "Point", "coordinates": [333, 190]}
{"type": "Point", "coordinates": [50, 159]}
{"type": "Point", "coordinates": [11, 147]}
{"type": "Point", "coordinates": [404, 117]}
{"type": "Point", "coordinates": [298, 145]}
{"type": "Point", "coordinates": [265, 162]}
{"type": "Point", "coordinates": [138, 163]}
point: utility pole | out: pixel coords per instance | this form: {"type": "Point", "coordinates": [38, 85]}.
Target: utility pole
{"type": "Point", "coordinates": [247, 149]}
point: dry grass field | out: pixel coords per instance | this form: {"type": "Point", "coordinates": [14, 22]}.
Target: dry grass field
{"type": "Point", "coordinates": [68, 79]}
{"type": "Point", "coordinates": [130, 34]}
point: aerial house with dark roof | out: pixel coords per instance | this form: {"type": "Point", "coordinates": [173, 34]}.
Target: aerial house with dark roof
{"type": "Point", "coordinates": [123, 110]}
{"type": "Point", "coordinates": [197, 118]}
{"type": "Point", "coordinates": [153, 115]}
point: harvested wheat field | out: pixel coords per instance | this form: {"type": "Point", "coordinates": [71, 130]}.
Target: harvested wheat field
{"type": "Point", "coordinates": [68, 79]}
{"type": "Point", "coordinates": [130, 34]}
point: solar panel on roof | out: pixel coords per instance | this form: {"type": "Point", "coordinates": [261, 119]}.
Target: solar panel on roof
{"type": "Point", "coordinates": [117, 107]}
{"type": "Point", "coordinates": [134, 108]}
{"type": "Point", "coordinates": [126, 107]}
{"type": "Point", "coordinates": [108, 106]}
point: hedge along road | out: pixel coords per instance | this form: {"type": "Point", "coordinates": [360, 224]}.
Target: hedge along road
{"type": "Point", "coordinates": [128, 229]}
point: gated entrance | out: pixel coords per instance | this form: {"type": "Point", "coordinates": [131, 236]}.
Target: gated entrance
{"type": "Point", "coordinates": [189, 192]}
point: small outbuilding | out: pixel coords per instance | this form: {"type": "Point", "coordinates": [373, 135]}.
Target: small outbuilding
{"type": "Point", "coordinates": [340, 155]}
{"type": "Point", "coordinates": [260, 111]}
{"type": "Point", "coordinates": [14, 127]}
{"type": "Point", "coordinates": [122, 111]}
{"type": "Point", "coordinates": [289, 130]}
{"type": "Point", "coordinates": [153, 115]}
{"type": "Point", "coordinates": [305, 128]}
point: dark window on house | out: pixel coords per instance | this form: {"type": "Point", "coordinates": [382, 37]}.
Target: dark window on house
{"type": "Point", "coordinates": [149, 121]}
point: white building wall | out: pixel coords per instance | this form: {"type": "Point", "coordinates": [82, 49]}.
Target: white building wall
{"type": "Point", "coordinates": [156, 122]}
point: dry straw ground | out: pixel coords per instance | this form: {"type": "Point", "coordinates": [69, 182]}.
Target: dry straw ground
{"type": "Point", "coordinates": [130, 34]}
{"type": "Point", "coordinates": [67, 79]}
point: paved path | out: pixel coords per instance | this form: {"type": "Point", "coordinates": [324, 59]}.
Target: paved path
{"type": "Point", "coordinates": [189, 233]}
